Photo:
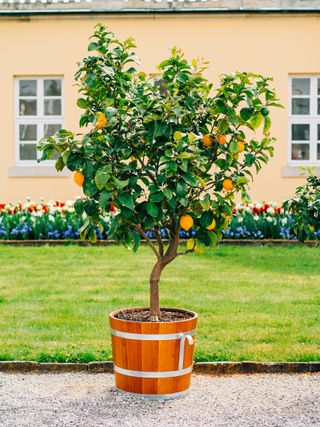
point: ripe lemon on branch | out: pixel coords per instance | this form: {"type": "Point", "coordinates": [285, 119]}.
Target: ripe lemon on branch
{"type": "Point", "coordinates": [212, 226]}
{"type": "Point", "coordinates": [78, 178]}
{"type": "Point", "coordinates": [228, 185]}
{"type": "Point", "coordinates": [241, 146]}
{"type": "Point", "coordinates": [222, 139]}
{"type": "Point", "coordinates": [101, 120]}
{"type": "Point", "coordinates": [207, 140]}
{"type": "Point", "coordinates": [186, 222]}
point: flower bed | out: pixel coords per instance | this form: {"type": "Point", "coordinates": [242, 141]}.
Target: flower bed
{"type": "Point", "coordinates": [58, 220]}
{"type": "Point", "coordinates": [260, 221]}
{"type": "Point", "coordinates": [42, 221]}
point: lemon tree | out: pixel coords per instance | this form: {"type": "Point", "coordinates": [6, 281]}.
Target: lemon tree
{"type": "Point", "coordinates": [166, 151]}
{"type": "Point", "coordinates": [305, 208]}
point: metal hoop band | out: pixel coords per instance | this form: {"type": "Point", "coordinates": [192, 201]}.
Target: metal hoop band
{"type": "Point", "coordinates": [151, 337]}
{"type": "Point", "coordinates": [156, 396]}
{"type": "Point", "coordinates": [143, 374]}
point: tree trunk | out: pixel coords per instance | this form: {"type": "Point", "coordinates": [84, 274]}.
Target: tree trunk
{"type": "Point", "coordinates": [164, 260]}
{"type": "Point", "coordinates": [154, 291]}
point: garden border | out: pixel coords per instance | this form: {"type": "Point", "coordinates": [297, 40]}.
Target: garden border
{"type": "Point", "coordinates": [239, 242]}
{"type": "Point", "coordinates": [205, 368]}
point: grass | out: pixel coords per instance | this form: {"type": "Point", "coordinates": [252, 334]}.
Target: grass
{"type": "Point", "coordinates": [255, 303]}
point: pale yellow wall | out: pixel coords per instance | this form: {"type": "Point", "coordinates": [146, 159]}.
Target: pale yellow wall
{"type": "Point", "coordinates": [275, 45]}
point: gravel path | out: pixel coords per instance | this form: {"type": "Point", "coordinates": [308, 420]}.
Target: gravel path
{"type": "Point", "coordinates": [88, 400]}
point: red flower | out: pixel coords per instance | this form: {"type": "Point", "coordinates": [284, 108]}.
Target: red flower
{"type": "Point", "coordinates": [112, 207]}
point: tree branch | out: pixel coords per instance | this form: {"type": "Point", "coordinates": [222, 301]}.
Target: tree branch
{"type": "Point", "coordinates": [159, 240]}
{"type": "Point", "coordinates": [149, 242]}
{"type": "Point", "coordinates": [171, 252]}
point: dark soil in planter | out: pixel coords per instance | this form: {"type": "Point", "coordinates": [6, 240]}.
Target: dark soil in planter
{"type": "Point", "coordinates": [142, 315]}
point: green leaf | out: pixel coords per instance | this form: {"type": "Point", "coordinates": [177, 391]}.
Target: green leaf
{"type": "Point", "coordinates": [89, 188]}
{"type": "Point", "coordinates": [182, 77]}
{"type": "Point", "coordinates": [267, 125]}
{"type": "Point", "coordinates": [92, 235]}
{"type": "Point", "coordinates": [82, 103]}
{"type": "Point", "coordinates": [249, 159]}
{"type": "Point", "coordinates": [109, 102]}
{"type": "Point", "coordinates": [84, 120]}
{"type": "Point", "coordinates": [101, 178]}
{"type": "Point", "coordinates": [84, 228]}
{"type": "Point", "coordinates": [213, 238]}
{"type": "Point", "coordinates": [59, 164]}
{"type": "Point", "coordinates": [152, 209]}
{"type": "Point", "coordinates": [104, 199]}
{"type": "Point", "coordinates": [192, 137]}
{"type": "Point", "coordinates": [234, 147]}
{"type": "Point", "coordinates": [256, 120]}
{"type": "Point", "coordinates": [126, 200]}
{"type": "Point", "coordinates": [190, 179]}
{"type": "Point", "coordinates": [160, 128]}
{"type": "Point", "coordinates": [185, 155]}
{"type": "Point", "coordinates": [90, 207]}
{"type": "Point", "coordinates": [242, 180]}
{"type": "Point", "coordinates": [246, 113]}
{"type": "Point", "coordinates": [156, 197]}
{"type": "Point", "coordinates": [167, 193]}
{"type": "Point", "coordinates": [199, 248]}
{"type": "Point", "coordinates": [108, 70]}
{"type": "Point", "coordinates": [78, 206]}
{"type": "Point", "coordinates": [223, 125]}
{"type": "Point", "coordinates": [221, 106]}
{"type": "Point", "coordinates": [74, 162]}
{"type": "Point", "coordinates": [136, 240]}
{"type": "Point", "coordinates": [120, 184]}
{"type": "Point", "coordinates": [178, 135]}
{"type": "Point", "coordinates": [181, 189]}
{"type": "Point", "coordinates": [206, 218]}
{"type": "Point", "coordinates": [205, 202]}
{"type": "Point", "coordinates": [93, 46]}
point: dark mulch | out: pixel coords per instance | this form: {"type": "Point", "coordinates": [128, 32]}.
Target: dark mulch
{"type": "Point", "coordinates": [142, 315]}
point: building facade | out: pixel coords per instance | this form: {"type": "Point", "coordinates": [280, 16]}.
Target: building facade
{"type": "Point", "coordinates": [41, 42]}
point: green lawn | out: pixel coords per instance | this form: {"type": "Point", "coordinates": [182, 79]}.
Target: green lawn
{"type": "Point", "coordinates": [255, 303]}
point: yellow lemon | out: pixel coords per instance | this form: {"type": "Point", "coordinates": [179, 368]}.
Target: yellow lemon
{"type": "Point", "coordinates": [101, 120]}
{"type": "Point", "coordinates": [186, 222]}
{"type": "Point", "coordinates": [212, 226]}
{"type": "Point", "coordinates": [240, 146]}
{"type": "Point", "coordinates": [222, 139]}
{"type": "Point", "coordinates": [228, 184]}
{"type": "Point", "coordinates": [207, 141]}
{"type": "Point", "coordinates": [78, 178]}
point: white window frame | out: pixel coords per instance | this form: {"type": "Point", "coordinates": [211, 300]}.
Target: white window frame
{"type": "Point", "coordinates": [40, 119]}
{"type": "Point", "coordinates": [312, 119]}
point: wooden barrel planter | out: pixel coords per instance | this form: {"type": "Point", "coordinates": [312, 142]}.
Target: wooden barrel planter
{"type": "Point", "coordinates": [153, 359]}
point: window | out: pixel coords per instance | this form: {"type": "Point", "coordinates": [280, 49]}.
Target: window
{"type": "Point", "coordinates": [39, 112]}
{"type": "Point", "coordinates": [304, 120]}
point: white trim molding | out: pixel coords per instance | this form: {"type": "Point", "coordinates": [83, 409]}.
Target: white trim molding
{"type": "Point", "coordinates": [36, 171]}
{"type": "Point", "coordinates": [290, 171]}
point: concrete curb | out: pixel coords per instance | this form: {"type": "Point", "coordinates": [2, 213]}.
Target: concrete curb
{"type": "Point", "coordinates": [206, 368]}
{"type": "Point", "coordinates": [78, 242]}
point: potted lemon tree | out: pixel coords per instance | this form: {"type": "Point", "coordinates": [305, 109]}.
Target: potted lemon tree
{"type": "Point", "coordinates": [168, 152]}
